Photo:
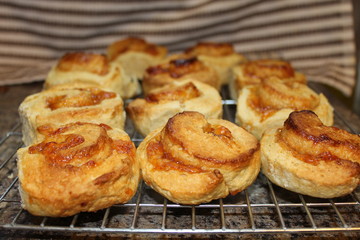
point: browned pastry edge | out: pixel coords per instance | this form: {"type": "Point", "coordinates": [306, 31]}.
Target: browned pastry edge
{"type": "Point", "coordinates": [179, 69]}
{"type": "Point", "coordinates": [312, 141]}
{"type": "Point", "coordinates": [134, 44]}
{"type": "Point", "coordinates": [310, 158]}
{"type": "Point", "coordinates": [78, 167]}
{"type": "Point", "coordinates": [173, 162]}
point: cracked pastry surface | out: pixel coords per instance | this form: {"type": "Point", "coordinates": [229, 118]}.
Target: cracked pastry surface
{"type": "Point", "coordinates": [67, 103]}
{"type": "Point", "coordinates": [159, 105]}
{"type": "Point", "coordinates": [220, 56]}
{"type": "Point", "coordinates": [78, 167]}
{"type": "Point", "coordinates": [177, 68]}
{"type": "Point", "coordinates": [131, 50]}
{"type": "Point", "coordinates": [193, 160]}
{"type": "Point", "coordinates": [91, 69]}
{"type": "Point", "coordinates": [252, 72]}
{"type": "Point", "coordinates": [268, 104]}
{"type": "Point", "coordinates": [310, 158]}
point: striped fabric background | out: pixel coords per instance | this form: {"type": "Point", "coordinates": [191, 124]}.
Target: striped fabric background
{"type": "Point", "coordinates": [316, 36]}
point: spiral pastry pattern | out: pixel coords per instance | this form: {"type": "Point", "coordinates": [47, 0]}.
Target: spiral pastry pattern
{"type": "Point", "coordinates": [178, 68]}
{"type": "Point", "coordinates": [268, 104]}
{"type": "Point", "coordinates": [78, 167]}
{"type": "Point", "coordinates": [91, 69]}
{"type": "Point", "coordinates": [253, 72]}
{"type": "Point", "coordinates": [161, 104]}
{"type": "Point", "coordinates": [193, 160]}
{"type": "Point", "coordinates": [68, 103]}
{"type": "Point", "coordinates": [308, 157]}
{"type": "Point", "coordinates": [220, 56]}
{"type": "Point", "coordinates": [132, 50]}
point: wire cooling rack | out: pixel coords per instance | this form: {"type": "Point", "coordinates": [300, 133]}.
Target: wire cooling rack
{"type": "Point", "coordinates": [262, 208]}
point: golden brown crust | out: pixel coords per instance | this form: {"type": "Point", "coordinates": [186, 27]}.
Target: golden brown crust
{"type": "Point", "coordinates": [253, 72]}
{"type": "Point", "coordinates": [181, 93]}
{"type": "Point", "coordinates": [211, 49]}
{"type": "Point", "coordinates": [268, 104]}
{"type": "Point", "coordinates": [264, 68]}
{"type": "Point", "coordinates": [137, 45]}
{"type": "Point", "coordinates": [219, 56]}
{"type": "Point", "coordinates": [132, 50]}
{"type": "Point", "coordinates": [274, 93]}
{"type": "Point", "coordinates": [91, 69]}
{"type": "Point", "coordinates": [69, 103]}
{"type": "Point", "coordinates": [308, 157]}
{"type": "Point", "coordinates": [89, 62]}
{"type": "Point", "coordinates": [304, 133]}
{"type": "Point", "coordinates": [78, 167]}
{"type": "Point", "coordinates": [154, 111]}
{"type": "Point", "coordinates": [193, 160]}
{"type": "Point", "coordinates": [179, 69]}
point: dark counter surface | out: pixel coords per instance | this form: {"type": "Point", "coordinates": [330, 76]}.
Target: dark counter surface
{"type": "Point", "coordinates": [12, 96]}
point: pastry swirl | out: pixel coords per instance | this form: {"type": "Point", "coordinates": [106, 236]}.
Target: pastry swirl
{"type": "Point", "coordinates": [91, 69]}
{"type": "Point", "coordinates": [268, 104]}
{"type": "Point", "coordinates": [135, 55]}
{"type": "Point", "coordinates": [252, 72]}
{"type": "Point", "coordinates": [77, 167]}
{"type": "Point", "coordinates": [178, 69]}
{"type": "Point", "coordinates": [308, 157]}
{"type": "Point", "coordinates": [161, 104]}
{"type": "Point", "coordinates": [69, 103]}
{"type": "Point", "coordinates": [193, 160]}
{"type": "Point", "coordinates": [274, 93]}
{"type": "Point", "coordinates": [220, 56]}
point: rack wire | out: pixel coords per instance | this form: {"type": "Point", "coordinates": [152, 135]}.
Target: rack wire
{"type": "Point", "coordinates": [262, 208]}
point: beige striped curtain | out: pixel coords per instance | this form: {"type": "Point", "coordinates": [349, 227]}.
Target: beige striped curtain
{"type": "Point", "coordinates": [316, 36]}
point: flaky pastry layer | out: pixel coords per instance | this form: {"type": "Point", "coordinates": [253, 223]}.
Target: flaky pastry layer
{"type": "Point", "coordinates": [95, 69]}
{"type": "Point", "coordinates": [178, 68]}
{"type": "Point", "coordinates": [264, 106]}
{"type": "Point", "coordinates": [135, 55]}
{"type": "Point", "coordinates": [252, 72]}
{"type": "Point", "coordinates": [193, 160]}
{"type": "Point", "coordinates": [310, 158]}
{"type": "Point", "coordinates": [161, 104]}
{"type": "Point", "coordinates": [220, 56]}
{"type": "Point", "coordinates": [78, 167]}
{"type": "Point", "coordinates": [69, 103]}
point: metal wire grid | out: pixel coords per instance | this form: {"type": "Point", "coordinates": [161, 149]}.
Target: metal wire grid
{"type": "Point", "coordinates": [262, 208]}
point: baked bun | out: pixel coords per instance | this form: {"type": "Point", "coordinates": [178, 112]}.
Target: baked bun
{"type": "Point", "coordinates": [68, 103]}
{"type": "Point", "coordinates": [310, 158]}
{"type": "Point", "coordinates": [268, 105]}
{"type": "Point", "coordinates": [180, 68]}
{"type": "Point", "coordinates": [78, 167]}
{"type": "Point", "coordinates": [135, 55]}
{"type": "Point", "coordinates": [154, 111]}
{"type": "Point", "coordinates": [91, 69]}
{"type": "Point", "coordinates": [220, 56]}
{"type": "Point", "coordinates": [193, 160]}
{"type": "Point", "coordinates": [252, 72]}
